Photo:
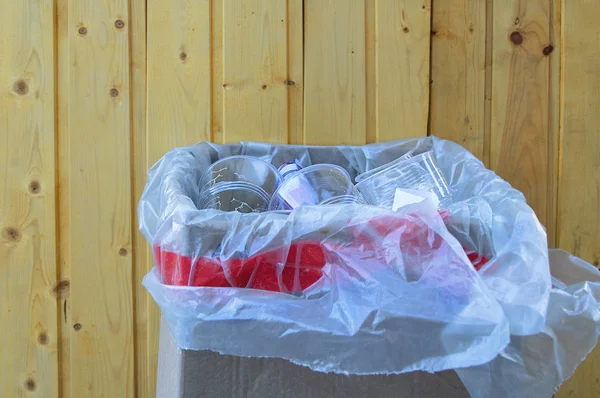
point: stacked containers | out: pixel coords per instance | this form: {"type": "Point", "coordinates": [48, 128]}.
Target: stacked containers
{"type": "Point", "coordinates": [238, 183]}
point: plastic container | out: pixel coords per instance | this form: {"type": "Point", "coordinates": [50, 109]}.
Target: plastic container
{"type": "Point", "coordinates": [288, 169]}
{"type": "Point", "coordinates": [376, 170]}
{"type": "Point", "coordinates": [420, 172]}
{"type": "Point", "coordinates": [241, 168]}
{"type": "Point", "coordinates": [235, 196]}
{"type": "Point", "coordinates": [319, 184]}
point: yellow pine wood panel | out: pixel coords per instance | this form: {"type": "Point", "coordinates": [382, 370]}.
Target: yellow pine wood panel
{"type": "Point", "coordinates": [458, 38]}
{"type": "Point", "coordinates": [579, 195]}
{"type": "Point", "coordinates": [99, 213]}
{"type": "Point", "coordinates": [554, 51]}
{"type": "Point", "coordinates": [295, 78]}
{"type": "Point", "coordinates": [146, 350]}
{"type": "Point", "coordinates": [371, 70]}
{"type": "Point", "coordinates": [402, 53]}
{"type": "Point", "coordinates": [255, 105]}
{"type": "Point", "coordinates": [178, 109]}
{"type": "Point", "coordinates": [334, 72]}
{"type": "Point", "coordinates": [520, 136]}
{"type": "Point", "coordinates": [179, 82]}
{"type": "Point", "coordinates": [28, 314]}
{"type": "Point", "coordinates": [579, 213]}
{"type": "Point", "coordinates": [216, 70]}
{"type": "Point", "coordinates": [63, 30]}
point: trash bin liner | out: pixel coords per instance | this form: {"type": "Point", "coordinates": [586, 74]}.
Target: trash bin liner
{"type": "Point", "coordinates": [352, 289]}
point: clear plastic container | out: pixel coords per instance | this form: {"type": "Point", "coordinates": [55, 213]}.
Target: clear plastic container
{"type": "Point", "coordinates": [235, 196]}
{"type": "Point", "coordinates": [420, 172]}
{"type": "Point", "coordinates": [376, 170]}
{"type": "Point", "coordinates": [241, 168]}
{"type": "Point", "coordinates": [288, 169]}
{"type": "Point", "coordinates": [318, 184]}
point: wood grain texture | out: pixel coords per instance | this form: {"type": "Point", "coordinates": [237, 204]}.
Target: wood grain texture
{"type": "Point", "coordinates": [179, 60]}
{"type": "Point", "coordinates": [179, 81]}
{"type": "Point", "coordinates": [458, 35]}
{"type": "Point", "coordinates": [63, 32]}
{"type": "Point", "coordinates": [216, 70]}
{"type": "Point", "coordinates": [255, 105]}
{"type": "Point", "coordinates": [371, 70]}
{"type": "Point", "coordinates": [29, 334]}
{"type": "Point", "coordinates": [554, 51]}
{"type": "Point", "coordinates": [579, 189]}
{"type": "Point", "coordinates": [334, 72]}
{"type": "Point", "coordinates": [102, 345]}
{"type": "Point", "coordinates": [146, 351]}
{"type": "Point", "coordinates": [516, 82]}
{"type": "Point", "coordinates": [295, 76]}
{"type": "Point", "coordinates": [520, 137]}
{"type": "Point", "coordinates": [403, 35]}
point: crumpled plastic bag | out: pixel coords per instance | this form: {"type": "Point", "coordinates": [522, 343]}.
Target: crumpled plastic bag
{"type": "Point", "coordinates": [347, 288]}
{"type": "Point", "coordinates": [536, 366]}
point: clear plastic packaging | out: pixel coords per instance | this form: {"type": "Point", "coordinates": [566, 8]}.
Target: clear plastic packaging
{"type": "Point", "coordinates": [420, 172]}
{"type": "Point", "coordinates": [244, 169]}
{"type": "Point", "coordinates": [536, 366]}
{"type": "Point", "coordinates": [235, 196]}
{"type": "Point", "coordinates": [376, 170]}
{"type": "Point", "coordinates": [318, 184]}
{"type": "Point", "coordinates": [347, 288]}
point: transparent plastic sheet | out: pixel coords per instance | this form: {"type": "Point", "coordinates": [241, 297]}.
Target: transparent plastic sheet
{"type": "Point", "coordinates": [536, 366]}
{"type": "Point", "coordinates": [394, 292]}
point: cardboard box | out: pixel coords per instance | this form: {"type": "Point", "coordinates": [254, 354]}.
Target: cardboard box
{"type": "Point", "coordinates": [187, 374]}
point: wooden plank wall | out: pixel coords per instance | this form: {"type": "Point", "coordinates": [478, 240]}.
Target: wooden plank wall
{"type": "Point", "coordinates": [92, 93]}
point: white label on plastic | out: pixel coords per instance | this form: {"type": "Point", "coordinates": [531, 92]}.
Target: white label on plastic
{"type": "Point", "coordinates": [404, 197]}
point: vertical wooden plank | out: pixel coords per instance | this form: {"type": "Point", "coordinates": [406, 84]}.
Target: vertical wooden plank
{"type": "Point", "coordinates": [403, 37]}
{"type": "Point", "coordinates": [102, 344]}
{"type": "Point", "coordinates": [179, 80]}
{"type": "Point", "coordinates": [28, 314]}
{"type": "Point", "coordinates": [179, 58]}
{"type": "Point", "coordinates": [145, 351]}
{"type": "Point", "coordinates": [554, 51]}
{"type": "Point", "coordinates": [579, 189]}
{"type": "Point", "coordinates": [371, 70]}
{"type": "Point", "coordinates": [63, 32]}
{"type": "Point", "coordinates": [216, 70]}
{"type": "Point", "coordinates": [487, 111]}
{"type": "Point", "coordinates": [255, 105]}
{"type": "Point", "coordinates": [458, 35]}
{"type": "Point", "coordinates": [334, 72]}
{"type": "Point", "coordinates": [295, 78]}
{"type": "Point", "coordinates": [520, 136]}
{"type": "Point", "coordinates": [579, 214]}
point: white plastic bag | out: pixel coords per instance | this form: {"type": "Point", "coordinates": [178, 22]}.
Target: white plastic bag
{"type": "Point", "coordinates": [393, 291]}
{"type": "Point", "coordinates": [535, 366]}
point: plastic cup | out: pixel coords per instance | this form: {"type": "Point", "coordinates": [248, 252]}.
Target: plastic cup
{"type": "Point", "coordinates": [237, 196]}
{"type": "Point", "coordinates": [420, 172]}
{"type": "Point", "coordinates": [241, 168]}
{"type": "Point", "coordinates": [320, 184]}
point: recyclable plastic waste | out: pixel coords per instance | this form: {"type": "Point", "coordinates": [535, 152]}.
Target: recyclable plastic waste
{"type": "Point", "coordinates": [457, 277]}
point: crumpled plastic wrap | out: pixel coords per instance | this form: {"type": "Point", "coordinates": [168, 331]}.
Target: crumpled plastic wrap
{"type": "Point", "coordinates": [536, 366]}
{"type": "Point", "coordinates": [347, 288]}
